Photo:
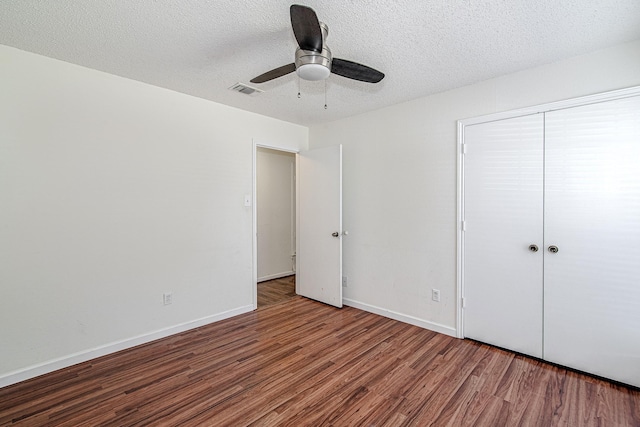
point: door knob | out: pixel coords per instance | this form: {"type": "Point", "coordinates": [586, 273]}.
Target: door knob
{"type": "Point", "coordinates": [553, 249]}
{"type": "Point", "coordinates": [533, 248]}
{"type": "Point", "coordinates": [335, 234]}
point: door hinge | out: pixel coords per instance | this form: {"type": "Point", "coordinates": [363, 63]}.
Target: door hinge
{"type": "Point", "coordinates": [464, 303]}
{"type": "Point", "coordinates": [464, 148]}
{"type": "Point", "coordinates": [464, 225]}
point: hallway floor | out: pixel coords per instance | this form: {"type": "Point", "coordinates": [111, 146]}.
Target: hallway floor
{"type": "Point", "coordinates": [276, 291]}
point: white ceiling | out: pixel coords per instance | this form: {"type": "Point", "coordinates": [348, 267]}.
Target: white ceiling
{"type": "Point", "coordinates": [203, 47]}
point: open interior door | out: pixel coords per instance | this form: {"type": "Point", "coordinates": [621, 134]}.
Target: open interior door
{"type": "Point", "coordinates": [319, 225]}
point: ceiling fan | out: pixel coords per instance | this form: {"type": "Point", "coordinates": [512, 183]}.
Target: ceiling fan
{"type": "Point", "coordinates": [313, 60]}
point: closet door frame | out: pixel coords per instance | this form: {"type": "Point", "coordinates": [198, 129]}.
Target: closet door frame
{"type": "Point", "coordinates": [543, 108]}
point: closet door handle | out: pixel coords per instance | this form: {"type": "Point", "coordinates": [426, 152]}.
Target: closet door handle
{"type": "Point", "coordinates": [335, 234]}
{"type": "Point", "coordinates": [553, 249]}
{"type": "Point", "coordinates": [533, 248]}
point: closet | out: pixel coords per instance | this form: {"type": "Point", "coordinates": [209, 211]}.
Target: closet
{"type": "Point", "coordinates": [551, 243]}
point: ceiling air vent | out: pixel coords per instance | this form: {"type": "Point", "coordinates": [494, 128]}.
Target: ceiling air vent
{"type": "Point", "coordinates": [247, 90]}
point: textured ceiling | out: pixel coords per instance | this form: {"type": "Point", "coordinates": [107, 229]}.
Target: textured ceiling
{"type": "Point", "coordinates": [203, 47]}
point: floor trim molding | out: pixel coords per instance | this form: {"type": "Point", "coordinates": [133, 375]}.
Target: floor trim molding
{"type": "Point", "coordinates": [432, 326]}
{"type": "Point", "coordinates": [276, 276]}
{"type": "Point", "coordinates": [83, 356]}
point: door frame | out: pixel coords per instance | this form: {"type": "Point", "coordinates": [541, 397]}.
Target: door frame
{"type": "Point", "coordinates": [542, 108]}
{"type": "Point", "coordinates": [254, 207]}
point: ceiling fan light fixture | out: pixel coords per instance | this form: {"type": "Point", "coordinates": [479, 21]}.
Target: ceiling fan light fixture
{"type": "Point", "coordinates": [313, 66]}
{"type": "Point", "coordinates": [313, 72]}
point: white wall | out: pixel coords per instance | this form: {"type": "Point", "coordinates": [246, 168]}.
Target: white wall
{"type": "Point", "coordinates": [275, 203]}
{"type": "Point", "coordinates": [400, 180]}
{"type": "Point", "coordinates": [111, 193]}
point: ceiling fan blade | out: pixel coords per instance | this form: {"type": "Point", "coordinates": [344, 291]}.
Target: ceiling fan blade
{"type": "Point", "coordinates": [306, 28]}
{"type": "Point", "coordinates": [275, 73]}
{"type": "Point", "coordinates": [355, 71]}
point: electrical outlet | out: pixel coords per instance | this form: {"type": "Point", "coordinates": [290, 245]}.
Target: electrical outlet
{"type": "Point", "coordinates": [435, 295]}
{"type": "Point", "coordinates": [167, 298]}
{"type": "Point", "coordinates": [344, 281]}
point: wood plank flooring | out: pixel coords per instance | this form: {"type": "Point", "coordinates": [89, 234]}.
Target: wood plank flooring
{"type": "Point", "coordinates": [304, 363]}
{"type": "Point", "coordinates": [276, 291]}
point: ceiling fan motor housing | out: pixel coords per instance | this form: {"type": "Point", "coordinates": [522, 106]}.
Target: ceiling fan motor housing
{"type": "Point", "coordinates": [311, 65]}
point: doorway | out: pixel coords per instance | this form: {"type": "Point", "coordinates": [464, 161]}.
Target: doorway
{"type": "Point", "coordinates": [275, 201]}
{"type": "Point", "coordinates": [276, 291]}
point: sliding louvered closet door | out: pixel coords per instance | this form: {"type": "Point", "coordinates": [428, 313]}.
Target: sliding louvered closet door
{"type": "Point", "coordinates": [551, 240]}
{"type": "Point", "coordinates": [592, 215]}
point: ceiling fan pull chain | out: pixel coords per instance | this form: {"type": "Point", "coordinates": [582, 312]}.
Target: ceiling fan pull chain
{"type": "Point", "coordinates": [325, 94]}
{"type": "Point", "coordinates": [298, 87]}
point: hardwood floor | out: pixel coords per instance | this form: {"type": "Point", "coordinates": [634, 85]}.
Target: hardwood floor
{"type": "Point", "coordinates": [276, 291]}
{"type": "Point", "coordinates": [305, 363]}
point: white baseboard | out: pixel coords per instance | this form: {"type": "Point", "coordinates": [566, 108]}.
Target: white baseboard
{"type": "Point", "coordinates": [275, 276]}
{"type": "Point", "coordinates": [432, 326]}
{"type": "Point", "coordinates": [83, 356]}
